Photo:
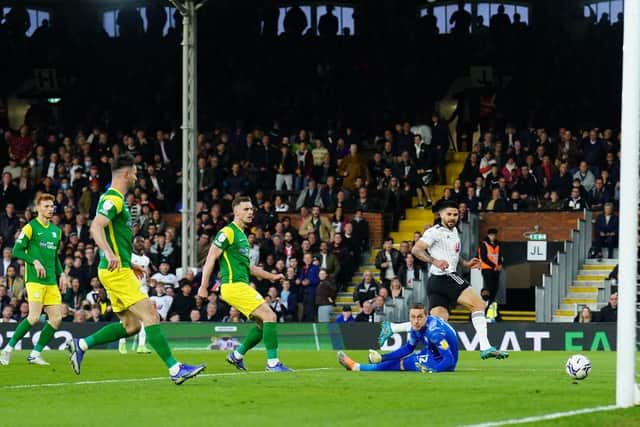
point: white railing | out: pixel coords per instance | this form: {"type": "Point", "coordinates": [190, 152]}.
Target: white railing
{"type": "Point", "coordinates": [563, 270]}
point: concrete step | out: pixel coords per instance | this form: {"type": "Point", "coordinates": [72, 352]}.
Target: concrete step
{"type": "Point", "coordinates": [594, 283]}
{"type": "Point", "coordinates": [344, 300]}
{"type": "Point", "coordinates": [419, 214]}
{"type": "Point", "coordinates": [563, 319]}
{"type": "Point", "coordinates": [565, 313]}
{"type": "Point", "coordinates": [400, 236]}
{"type": "Point", "coordinates": [457, 156]}
{"type": "Point", "coordinates": [598, 267]}
{"type": "Point", "coordinates": [604, 273]}
{"type": "Point", "coordinates": [583, 296]}
{"type": "Point", "coordinates": [581, 301]}
{"type": "Point", "coordinates": [604, 261]}
{"type": "Point", "coordinates": [589, 278]}
{"type": "Point", "coordinates": [583, 289]}
{"type": "Point", "coordinates": [412, 226]}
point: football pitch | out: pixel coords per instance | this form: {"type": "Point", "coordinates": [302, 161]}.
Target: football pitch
{"type": "Point", "coordinates": [134, 390]}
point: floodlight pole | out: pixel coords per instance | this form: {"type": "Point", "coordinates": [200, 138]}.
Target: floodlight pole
{"type": "Point", "coordinates": [626, 389]}
{"type": "Point", "coordinates": [189, 10]}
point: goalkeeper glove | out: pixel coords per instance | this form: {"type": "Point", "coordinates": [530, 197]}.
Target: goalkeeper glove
{"type": "Point", "coordinates": [385, 333]}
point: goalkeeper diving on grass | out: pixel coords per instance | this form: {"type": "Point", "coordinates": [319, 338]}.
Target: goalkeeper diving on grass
{"type": "Point", "coordinates": [440, 352]}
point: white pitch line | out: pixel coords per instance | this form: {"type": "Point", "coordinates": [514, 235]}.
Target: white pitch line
{"type": "Point", "coordinates": [546, 417]}
{"type": "Point", "coordinates": [138, 380]}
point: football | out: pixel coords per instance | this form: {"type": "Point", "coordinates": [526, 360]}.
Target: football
{"type": "Point", "coordinates": [578, 367]}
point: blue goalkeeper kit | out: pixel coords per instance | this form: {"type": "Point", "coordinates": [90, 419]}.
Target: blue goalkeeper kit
{"type": "Point", "coordinates": [440, 352]}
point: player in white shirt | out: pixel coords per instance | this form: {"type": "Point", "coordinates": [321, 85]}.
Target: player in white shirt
{"type": "Point", "coordinates": [445, 287]}
{"type": "Point", "coordinates": [138, 257]}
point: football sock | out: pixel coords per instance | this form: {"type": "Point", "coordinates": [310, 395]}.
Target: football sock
{"type": "Point", "coordinates": [480, 324]}
{"type": "Point", "coordinates": [400, 327]}
{"type": "Point", "coordinates": [159, 343]}
{"type": "Point", "coordinates": [107, 334]}
{"type": "Point", "coordinates": [251, 340]}
{"type": "Point", "coordinates": [270, 336]}
{"type": "Point", "coordinates": [21, 331]}
{"type": "Point", "coordinates": [389, 365]}
{"type": "Point", "coordinates": [142, 337]}
{"type": "Point", "coordinates": [45, 336]}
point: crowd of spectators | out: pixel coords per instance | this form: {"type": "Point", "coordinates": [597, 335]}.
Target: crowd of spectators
{"type": "Point", "coordinates": [304, 185]}
{"type": "Point", "coordinates": [318, 178]}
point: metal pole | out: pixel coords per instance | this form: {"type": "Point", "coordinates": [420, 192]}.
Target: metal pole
{"type": "Point", "coordinates": [626, 392]}
{"type": "Point", "coordinates": [188, 10]}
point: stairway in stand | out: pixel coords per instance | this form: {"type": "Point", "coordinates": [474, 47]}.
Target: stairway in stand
{"type": "Point", "coordinates": [417, 218]}
{"type": "Point", "coordinates": [588, 288]}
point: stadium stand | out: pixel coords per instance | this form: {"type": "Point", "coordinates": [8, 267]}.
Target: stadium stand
{"type": "Point", "coordinates": [359, 155]}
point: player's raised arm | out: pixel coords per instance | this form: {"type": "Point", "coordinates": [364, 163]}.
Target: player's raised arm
{"type": "Point", "coordinates": [100, 222]}
{"type": "Point", "coordinates": [260, 273]}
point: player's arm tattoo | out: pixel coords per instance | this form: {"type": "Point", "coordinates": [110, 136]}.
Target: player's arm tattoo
{"type": "Point", "coordinates": [420, 251]}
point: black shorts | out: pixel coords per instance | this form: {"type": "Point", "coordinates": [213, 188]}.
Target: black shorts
{"type": "Point", "coordinates": [443, 291]}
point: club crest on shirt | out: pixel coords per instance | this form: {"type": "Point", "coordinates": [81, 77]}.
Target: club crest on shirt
{"type": "Point", "coordinates": [457, 247]}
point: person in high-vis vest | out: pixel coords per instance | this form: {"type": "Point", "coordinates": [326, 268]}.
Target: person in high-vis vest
{"type": "Point", "coordinates": [491, 256]}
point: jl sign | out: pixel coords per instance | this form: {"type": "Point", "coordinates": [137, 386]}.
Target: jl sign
{"type": "Point", "coordinates": [536, 250]}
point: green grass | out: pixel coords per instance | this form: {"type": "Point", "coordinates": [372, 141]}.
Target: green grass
{"type": "Point", "coordinates": [527, 384]}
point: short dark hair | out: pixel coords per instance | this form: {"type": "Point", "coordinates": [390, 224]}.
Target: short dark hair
{"type": "Point", "coordinates": [445, 204]}
{"type": "Point", "coordinates": [240, 199]}
{"type": "Point", "coordinates": [122, 161]}
{"type": "Point", "coordinates": [418, 306]}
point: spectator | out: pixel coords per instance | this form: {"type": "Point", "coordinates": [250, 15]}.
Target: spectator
{"type": "Point", "coordinates": [598, 196]}
{"type": "Point", "coordinates": [7, 315]}
{"type": "Point", "coordinates": [586, 177]}
{"type": "Point", "coordinates": [21, 146]}
{"type": "Point", "coordinates": [320, 226]}
{"type": "Point", "coordinates": [7, 261]}
{"type": "Point", "coordinates": [584, 316]}
{"type": "Point", "coordinates": [352, 167]}
{"type": "Point", "coordinates": [366, 290]}
{"type": "Point", "coordinates": [575, 202]}
{"type": "Point", "coordinates": [194, 315]}
{"type": "Point", "coordinates": [309, 280]}
{"type": "Point", "coordinates": [346, 316]}
{"type": "Point", "coordinates": [609, 313]}
{"type": "Point", "coordinates": [325, 296]}
{"type": "Point", "coordinates": [161, 300]}
{"type": "Point", "coordinates": [496, 203]}
{"type": "Point", "coordinates": [366, 314]}
{"type": "Point", "coordinates": [304, 171]}
{"type": "Point", "coordinates": [606, 231]}
{"type": "Point", "coordinates": [234, 316]}
{"type": "Point", "coordinates": [560, 182]}
{"type": "Point", "coordinates": [183, 302]}
{"type": "Point", "coordinates": [8, 191]}
{"type": "Point", "coordinates": [4, 298]}
{"type": "Point", "coordinates": [211, 314]}
{"type": "Point", "coordinates": [276, 304]}
{"type": "Point", "coordinates": [553, 203]}
{"type": "Point", "coordinates": [388, 261]}
{"type": "Point", "coordinates": [9, 224]}
{"type": "Point", "coordinates": [79, 316]}
{"type": "Point", "coordinates": [164, 276]}
{"type": "Point", "coordinates": [285, 169]}
{"type": "Point", "coordinates": [328, 261]}
{"type": "Point", "coordinates": [74, 295]}
{"type": "Point", "coordinates": [235, 184]}
{"type": "Point", "coordinates": [310, 196]}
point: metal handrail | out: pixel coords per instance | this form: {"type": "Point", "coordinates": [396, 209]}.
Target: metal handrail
{"type": "Point", "coordinates": [563, 270]}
